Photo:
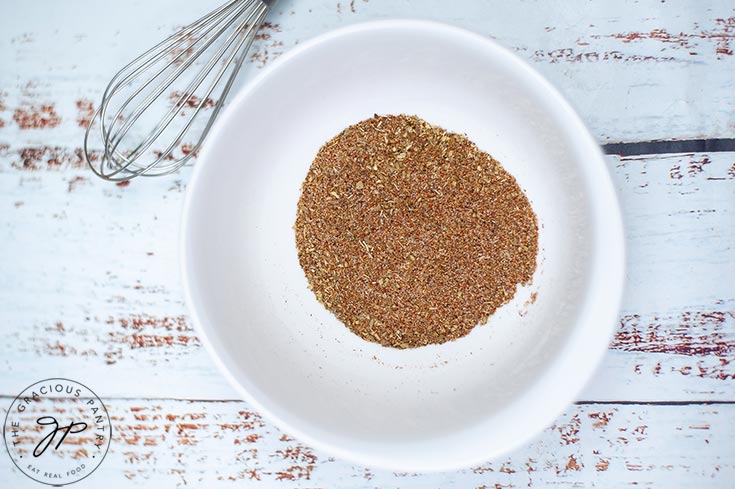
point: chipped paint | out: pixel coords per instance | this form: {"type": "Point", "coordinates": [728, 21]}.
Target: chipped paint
{"type": "Point", "coordinates": [36, 116]}
{"type": "Point", "coordinates": [191, 101]}
{"type": "Point", "coordinates": [698, 333]}
{"type": "Point", "coordinates": [720, 35]}
{"type": "Point", "coordinates": [85, 112]}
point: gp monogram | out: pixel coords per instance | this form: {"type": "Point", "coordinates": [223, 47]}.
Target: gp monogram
{"type": "Point", "coordinates": [57, 431]}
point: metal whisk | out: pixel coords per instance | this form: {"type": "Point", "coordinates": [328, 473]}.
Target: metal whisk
{"type": "Point", "coordinates": [177, 79]}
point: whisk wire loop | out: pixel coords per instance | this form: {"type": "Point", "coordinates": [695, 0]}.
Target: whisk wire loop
{"type": "Point", "coordinates": [226, 35]}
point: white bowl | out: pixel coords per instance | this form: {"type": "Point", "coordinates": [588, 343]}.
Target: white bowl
{"type": "Point", "coordinates": [433, 408]}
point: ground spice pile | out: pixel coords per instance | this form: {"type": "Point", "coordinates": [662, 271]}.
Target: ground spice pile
{"type": "Point", "coordinates": [410, 234]}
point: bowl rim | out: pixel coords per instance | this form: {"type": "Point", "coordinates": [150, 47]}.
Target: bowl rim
{"type": "Point", "coordinates": [586, 345]}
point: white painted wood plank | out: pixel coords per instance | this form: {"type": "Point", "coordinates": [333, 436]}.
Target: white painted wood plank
{"type": "Point", "coordinates": [225, 444]}
{"type": "Point", "coordinates": [635, 70]}
{"type": "Point", "coordinates": [91, 286]}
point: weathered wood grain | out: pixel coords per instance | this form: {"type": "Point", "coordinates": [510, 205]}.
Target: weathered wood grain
{"type": "Point", "coordinates": [90, 283]}
{"type": "Point", "coordinates": [93, 286]}
{"type": "Point", "coordinates": [635, 70]}
{"type": "Point", "coordinates": [226, 444]}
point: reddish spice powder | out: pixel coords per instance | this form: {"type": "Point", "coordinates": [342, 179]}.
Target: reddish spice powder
{"type": "Point", "coordinates": [409, 234]}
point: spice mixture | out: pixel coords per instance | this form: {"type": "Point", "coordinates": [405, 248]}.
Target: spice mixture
{"type": "Point", "coordinates": [410, 234]}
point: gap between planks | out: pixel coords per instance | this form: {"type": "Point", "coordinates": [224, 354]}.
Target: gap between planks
{"type": "Point", "coordinates": [668, 147]}
{"type": "Point", "coordinates": [713, 402]}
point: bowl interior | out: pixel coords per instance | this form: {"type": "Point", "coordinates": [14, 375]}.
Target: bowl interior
{"type": "Point", "coordinates": [435, 407]}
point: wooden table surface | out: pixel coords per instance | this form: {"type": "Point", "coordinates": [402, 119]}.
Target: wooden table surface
{"type": "Point", "coordinates": [89, 282]}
